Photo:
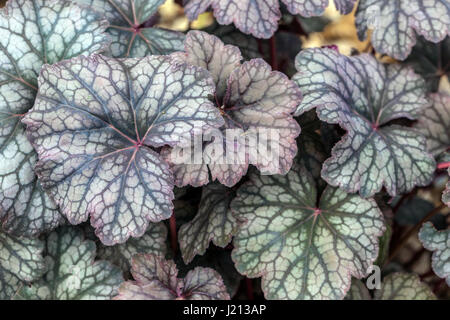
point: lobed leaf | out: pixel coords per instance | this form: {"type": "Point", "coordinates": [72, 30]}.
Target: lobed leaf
{"type": "Point", "coordinates": [364, 96]}
{"type": "Point", "coordinates": [214, 222]}
{"type": "Point", "coordinates": [130, 36]}
{"type": "Point", "coordinates": [259, 17]}
{"type": "Point", "coordinates": [304, 250]}
{"type": "Point", "coordinates": [439, 243]}
{"type": "Point", "coordinates": [95, 124]}
{"type": "Point", "coordinates": [434, 123]}
{"type": "Point", "coordinates": [250, 96]}
{"type": "Point", "coordinates": [396, 24]}
{"type": "Point", "coordinates": [156, 279]}
{"type": "Point", "coordinates": [72, 273]}
{"type": "Point", "coordinates": [21, 261]}
{"type": "Point", "coordinates": [33, 33]}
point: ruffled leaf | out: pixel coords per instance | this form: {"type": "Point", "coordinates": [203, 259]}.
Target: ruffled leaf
{"type": "Point", "coordinates": [130, 38]}
{"type": "Point", "coordinates": [403, 286]}
{"type": "Point", "coordinates": [94, 124]}
{"type": "Point", "coordinates": [214, 222]}
{"type": "Point", "coordinates": [434, 123]}
{"type": "Point", "coordinates": [72, 273]}
{"type": "Point", "coordinates": [251, 98]}
{"type": "Point", "coordinates": [260, 17]}
{"type": "Point", "coordinates": [364, 96]}
{"type": "Point", "coordinates": [303, 251]}
{"type": "Point", "coordinates": [439, 243]}
{"type": "Point", "coordinates": [156, 279]}
{"type": "Point", "coordinates": [21, 261]}
{"type": "Point", "coordinates": [33, 33]}
{"type": "Point", "coordinates": [396, 23]}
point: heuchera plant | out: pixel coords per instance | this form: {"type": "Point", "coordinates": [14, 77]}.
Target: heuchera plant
{"type": "Point", "coordinates": [138, 162]}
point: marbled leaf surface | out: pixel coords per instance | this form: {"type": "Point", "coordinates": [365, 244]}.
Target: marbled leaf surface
{"type": "Point", "coordinates": [72, 273]}
{"type": "Point", "coordinates": [156, 279]}
{"type": "Point", "coordinates": [129, 37]}
{"type": "Point", "coordinates": [251, 98]}
{"type": "Point", "coordinates": [304, 247]}
{"type": "Point", "coordinates": [434, 123]}
{"type": "Point", "coordinates": [33, 33]}
{"type": "Point", "coordinates": [439, 243]}
{"type": "Point", "coordinates": [395, 286]}
{"type": "Point", "coordinates": [95, 125]}
{"type": "Point", "coordinates": [260, 17]}
{"type": "Point", "coordinates": [403, 286]}
{"type": "Point", "coordinates": [21, 262]}
{"type": "Point", "coordinates": [396, 23]}
{"type": "Point", "coordinates": [214, 222]}
{"type": "Point", "coordinates": [364, 96]}
{"type": "Point", "coordinates": [153, 241]}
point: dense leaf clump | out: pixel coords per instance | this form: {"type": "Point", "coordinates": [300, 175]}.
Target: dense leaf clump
{"type": "Point", "coordinates": [141, 162]}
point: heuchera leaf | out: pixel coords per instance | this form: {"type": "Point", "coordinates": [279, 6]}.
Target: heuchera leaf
{"type": "Point", "coordinates": [430, 60]}
{"type": "Point", "coordinates": [130, 38]}
{"type": "Point", "coordinates": [219, 260]}
{"type": "Point", "coordinates": [364, 96]}
{"type": "Point", "coordinates": [94, 124]}
{"type": "Point", "coordinates": [156, 279]}
{"type": "Point", "coordinates": [20, 261]}
{"type": "Point", "coordinates": [72, 273]}
{"type": "Point", "coordinates": [250, 96]}
{"type": "Point", "coordinates": [434, 123]}
{"type": "Point", "coordinates": [403, 286]}
{"type": "Point", "coordinates": [302, 246]}
{"type": "Point", "coordinates": [396, 23]}
{"type": "Point", "coordinates": [446, 194]}
{"type": "Point", "coordinates": [439, 243]}
{"type": "Point", "coordinates": [395, 286]}
{"type": "Point", "coordinates": [32, 33]}
{"type": "Point", "coordinates": [153, 241]}
{"type": "Point", "coordinates": [214, 222]}
{"type": "Point", "coordinates": [259, 17]}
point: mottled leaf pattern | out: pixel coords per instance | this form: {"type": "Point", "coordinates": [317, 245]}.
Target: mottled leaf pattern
{"type": "Point", "coordinates": [403, 286]}
{"type": "Point", "coordinates": [94, 124]}
{"type": "Point", "coordinates": [250, 96]}
{"type": "Point", "coordinates": [363, 96]}
{"type": "Point", "coordinates": [129, 37]}
{"type": "Point", "coordinates": [72, 273]}
{"type": "Point", "coordinates": [395, 23]}
{"type": "Point", "coordinates": [303, 251]}
{"type": "Point", "coordinates": [439, 243]}
{"type": "Point", "coordinates": [446, 194]}
{"type": "Point", "coordinates": [434, 123]}
{"type": "Point", "coordinates": [156, 279]}
{"type": "Point", "coordinates": [32, 33]}
{"type": "Point", "coordinates": [214, 222]}
{"type": "Point", "coordinates": [260, 17]}
{"type": "Point", "coordinates": [430, 60]}
{"type": "Point", "coordinates": [395, 286]}
{"type": "Point", "coordinates": [20, 261]}
{"type": "Point", "coordinates": [153, 241]}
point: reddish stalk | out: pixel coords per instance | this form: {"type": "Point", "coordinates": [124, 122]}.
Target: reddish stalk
{"type": "Point", "coordinates": [443, 165]}
{"type": "Point", "coordinates": [173, 234]}
{"type": "Point", "coordinates": [273, 54]}
{"type": "Point", "coordinates": [249, 287]}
